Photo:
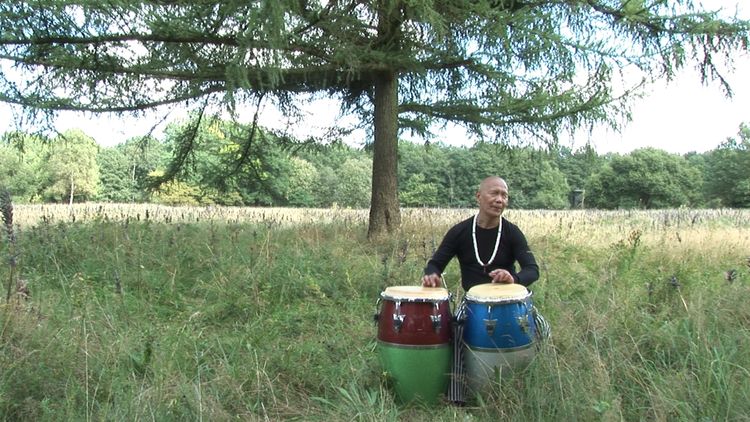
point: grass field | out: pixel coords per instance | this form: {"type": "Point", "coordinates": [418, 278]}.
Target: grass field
{"type": "Point", "coordinates": [213, 314]}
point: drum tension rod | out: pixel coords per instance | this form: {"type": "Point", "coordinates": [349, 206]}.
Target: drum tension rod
{"type": "Point", "coordinates": [436, 318]}
{"type": "Point", "coordinates": [376, 316]}
{"type": "Point", "coordinates": [490, 324]}
{"type": "Point", "coordinates": [523, 322]}
{"type": "Point", "coordinates": [398, 318]}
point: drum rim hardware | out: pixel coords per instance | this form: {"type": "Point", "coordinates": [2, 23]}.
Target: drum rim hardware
{"type": "Point", "coordinates": [446, 297]}
{"type": "Point", "coordinates": [523, 323]}
{"type": "Point", "coordinates": [489, 325]}
{"type": "Point", "coordinates": [398, 318]}
{"type": "Point", "coordinates": [495, 300]}
{"type": "Point", "coordinates": [436, 318]}
{"type": "Point", "coordinates": [415, 346]}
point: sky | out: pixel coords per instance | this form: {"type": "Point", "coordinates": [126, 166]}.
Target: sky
{"type": "Point", "coordinates": [683, 115]}
{"type": "Point", "coordinates": [679, 117]}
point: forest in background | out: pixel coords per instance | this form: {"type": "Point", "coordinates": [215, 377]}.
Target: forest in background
{"type": "Point", "coordinates": [72, 167]}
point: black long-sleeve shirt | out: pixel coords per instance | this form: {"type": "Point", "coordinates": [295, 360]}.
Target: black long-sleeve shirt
{"type": "Point", "coordinates": [512, 248]}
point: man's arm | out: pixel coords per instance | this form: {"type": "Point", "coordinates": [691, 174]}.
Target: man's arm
{"type": "Point", "coordinates": [440, 259]}
{"type": "Point", "coordinates": [529, 272]}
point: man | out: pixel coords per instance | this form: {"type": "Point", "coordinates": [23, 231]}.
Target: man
{"type": "Point", "coordinates": [487, 247]}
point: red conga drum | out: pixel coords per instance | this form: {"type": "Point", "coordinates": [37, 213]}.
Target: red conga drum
{"type": "Point", "coordinates": [414, 341]}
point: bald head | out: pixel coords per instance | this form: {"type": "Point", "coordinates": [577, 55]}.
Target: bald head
{"type": "Point", "coordinates": [492, 181]}
{"type": "Point", "coordinates": [492, 198]}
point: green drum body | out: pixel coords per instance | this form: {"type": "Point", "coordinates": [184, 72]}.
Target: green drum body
{"type": "Point", "coordinates": [417, 373]}
{"type": "Point", "coordinates": [414, 341]}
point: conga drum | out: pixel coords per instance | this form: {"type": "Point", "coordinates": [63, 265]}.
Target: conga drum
{"type": "Point", "coordinates": [414, 341]}
{"type": "Point", "coordinates": [499, 331]}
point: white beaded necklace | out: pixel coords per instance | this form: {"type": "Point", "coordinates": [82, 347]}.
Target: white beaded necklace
{"type": "Point", "coordinates": [476, 248]}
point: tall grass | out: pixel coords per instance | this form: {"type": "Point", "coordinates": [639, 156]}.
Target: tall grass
{"type": "Point", "coordinates": [238, 314]}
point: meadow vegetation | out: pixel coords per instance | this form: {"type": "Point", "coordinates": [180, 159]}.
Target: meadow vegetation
{"type": "Point", "coordinates": [157, 313]}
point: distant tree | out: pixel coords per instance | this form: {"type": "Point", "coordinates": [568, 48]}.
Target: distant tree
{"type": "Point", "coordinates": [417, 192]}
{"type": "Point", "coordinates": [728, 171]}
{"type": "Point", "coordinates": [175, 192]}
{"type": "Point", "coordinates": [211, 165]}
{"type": "Point", "coordinates": [699, 163]}
{"type": "Point", "coordinates": [645, 178]}
{"type": "Point", "coordinates": [423, 175]}
{"type": "Point", "coordinates": [325, 191]}
{"type": "Point", "coordinates": [503, 69]}
{"type": "Point", "coordinates": [579, 165]}
{"type": "Point", "coordinates": [549, 189]}
{"type": "Point", "coordinates": [302, 178]}
{"type": "Point", "coordinates": [144, 155]}
{"type": "Point", "coordinates": [124, 169]}
{"type": "Point", "coordinates": [332, 156]}
{"type": "Point", "coordinates": [354, 183]}
{"type": "Point", "coordinates": [116, 184]}
{"type": "Point", "coordinates": [22, 160]}
{"type": "Point", "coordinates": [265, 179]}
{"type": "Point", "coordinates": [329, 161]}
{"type": "Point", "coordinates": [71, 168]}
{"type": "Point", "coordinates": [464, 175]}
{"type": "Point", "coordinates": [531, 174]}
{"type": "Point", "coordinates": [13, 174]}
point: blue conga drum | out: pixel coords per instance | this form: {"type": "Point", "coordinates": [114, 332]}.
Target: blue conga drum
{"type": "Point", "coordinates": [499, 332]}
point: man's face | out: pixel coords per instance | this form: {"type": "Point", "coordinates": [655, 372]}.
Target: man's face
{"type": "Point", "coordinates": [492, 197]}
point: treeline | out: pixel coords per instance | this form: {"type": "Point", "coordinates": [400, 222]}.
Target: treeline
{"type": "Point", "coordinates": [229, 167]}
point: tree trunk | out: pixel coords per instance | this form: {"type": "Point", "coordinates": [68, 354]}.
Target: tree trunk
{"type": "Point", "coordinates": [385, 214]}
{"type": "Point", "coordinates": [72, 189]}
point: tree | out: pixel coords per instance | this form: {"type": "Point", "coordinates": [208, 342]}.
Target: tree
{"type": "Point", "coordinates": [418, 192]}
{"type": "Point", "coordinates": [503, 69]}
{"type": "Point", "coordinates": [143, 155]}
{"type": "Point", "coordinates": [71, 167]}
{"type": "Point", "coordinates": [423, 175]}
{"type": "Point", "coordinates": [356, 191]}
{"type": "Point", "coordinates": [727, 174]}
{"type": "Point", "coordinates": [114, 176]}
{"type": "Point", "coordinates": [325, 191]}
{"type": "Point", "coordinates": [175, 192]}
{"type": "Point", "coordinates": [211, 166]}
{"type": "Point", "coordinates": [579, 165]}
{"type": "Point", "coordinates": [645, 178]}
{"type": "Point", "coordinates": [22, 161]}
{"type": "Point", "coordinates": [302, 180]}
{"type": "Point", "coordinates": [550, 189]}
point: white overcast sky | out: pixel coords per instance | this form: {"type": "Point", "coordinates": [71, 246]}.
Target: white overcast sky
{"type": "Point", "coordinates": [683, 116]}
{"type": "Point", "coordinates": [678, 117]}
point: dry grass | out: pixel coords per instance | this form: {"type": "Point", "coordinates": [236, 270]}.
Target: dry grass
{"type": "Point", "coordinates": [29, 215]}
{"type": "Point", "coordinates": [220, 313]}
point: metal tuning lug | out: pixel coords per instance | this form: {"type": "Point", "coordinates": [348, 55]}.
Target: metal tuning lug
{"type": "Point", "coordinates": [489, 325]}
{"type": "Point", "coordinates": [436, 319]}
{"type": "Point", "coordinates": [523, 323]}
{"type": "Point", "coordinates": [398, 318]}
{"type": "Point", "coordinates": [376, 316]}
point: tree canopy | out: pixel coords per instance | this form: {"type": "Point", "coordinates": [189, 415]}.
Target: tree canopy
{"type": "Point", "coordinates": [728, 165]}
{"type": "Point", "coordinates": [645, 178]}
{"type": "Point", "coordinates": [37, 169]}
{"type": "Point", "coordinates": [505, 69]}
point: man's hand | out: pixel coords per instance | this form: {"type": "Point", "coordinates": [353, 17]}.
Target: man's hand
{"type": "Point", "coordinates": [431, 280]}
{"type": "Point", "coordinates": [501, 276]}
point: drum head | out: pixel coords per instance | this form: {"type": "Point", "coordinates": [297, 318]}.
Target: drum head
{"type": "Point", "coordinates": [497, 292]}
{"type": "Point", "coordinates": [415, 294]}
